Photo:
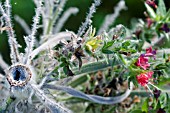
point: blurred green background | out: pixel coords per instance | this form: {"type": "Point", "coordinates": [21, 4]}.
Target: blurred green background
{"type": "Point", "coordinates": [25, 9]}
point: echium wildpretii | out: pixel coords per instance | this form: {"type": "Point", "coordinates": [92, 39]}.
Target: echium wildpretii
{"type": "Point", "coordinates": [56, 63]}
{"type": "Point", "coordinates": [22, 85]}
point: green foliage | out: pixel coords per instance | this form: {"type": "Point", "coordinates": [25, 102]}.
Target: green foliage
{"type": "Point", "coordinates": [136, 111]}
{"type": "Point", "coordinates": [151, 12]}
{"type": "Point", "coordinates": [145, 106]}
{"type": "Point", "coordinates": [105, 65]}
{"type": "Point", "coordinates": [161, 10]}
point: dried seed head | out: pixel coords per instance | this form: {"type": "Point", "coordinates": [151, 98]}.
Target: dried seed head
{"type": "Point", "coordinates": [19, 75]}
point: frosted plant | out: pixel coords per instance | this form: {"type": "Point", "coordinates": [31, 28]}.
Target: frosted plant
{"type": "Point", "coordinates": [109, 19]}
{"type": "Point", "coordinates": [88, 20]}
{"type": "Point", "coordinates": [24, 90]}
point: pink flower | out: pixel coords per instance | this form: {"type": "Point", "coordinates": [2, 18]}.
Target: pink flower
{"type": "Point", "coordinates": [151, 3]}
{"type": "Point", "coordinates": [142, 62]}
{"type": "Point", "coordinates": [143, 78]}
{"type": "Point", "coordinates": [150, 52]}
{"type": "Point", "coordinates": [150, 73]}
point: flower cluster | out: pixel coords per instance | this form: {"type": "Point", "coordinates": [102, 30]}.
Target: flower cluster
{"type": "Point", "coordinates": [142, 62]}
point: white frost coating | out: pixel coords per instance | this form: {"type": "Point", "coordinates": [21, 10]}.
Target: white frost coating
{"type": "Point", "coordinates": [31, 37]}
{"type": "Point", "coordinates": [53, 16]}
{"type": "Point", "coordinates": [30, 40]}
{"type": "Point", "coordinates": [23, 24]}
{"type": "Point", "coordinates": [109, 19]}
{"type": "Point", "coordinates": [47, 13]}
{"type": "Point", "coordinates": [54, 107]}
{"type": "Point", "coordinates": [3, 64]}
{"type": "Point", "coordinates": [59, 9]}
{"type": "Point", "coordinates": [36, 20]}
{"type": "Point", "coordinates": [51, 43]}
{"type": "Point", "coordinates": [11, 40]}
{"type": "Point", "coordinates": [88, 20]}
{"type": "Point", "coordinates": [65, 16]}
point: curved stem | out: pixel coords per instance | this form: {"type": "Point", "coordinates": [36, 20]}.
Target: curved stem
{"type": "Point", "coordinates": [50, 43]}
{"type": "Point", "coordinates": [93, 98]}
